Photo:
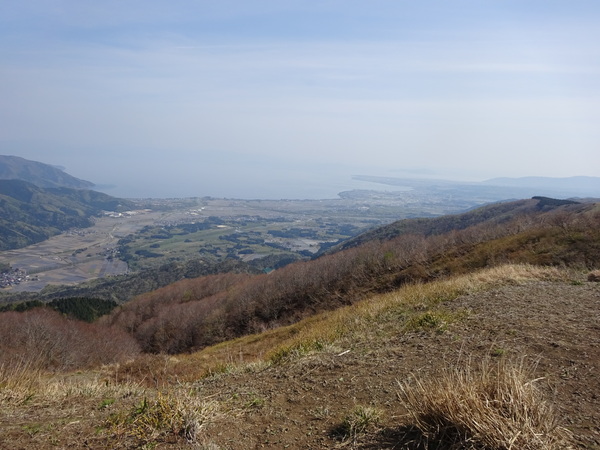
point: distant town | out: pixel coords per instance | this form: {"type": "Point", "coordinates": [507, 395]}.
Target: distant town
{"type": "Point", "coordinates": [13, 277]}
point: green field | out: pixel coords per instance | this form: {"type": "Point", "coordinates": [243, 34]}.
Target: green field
{"type": "Point", "coordinates": [244, 238]}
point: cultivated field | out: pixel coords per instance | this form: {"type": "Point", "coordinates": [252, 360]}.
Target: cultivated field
{"type": "Point", "coordinates": [243, 229]}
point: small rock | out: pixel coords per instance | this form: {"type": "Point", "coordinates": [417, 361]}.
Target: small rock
{"type": "Point", "coordinates": [594, 276]}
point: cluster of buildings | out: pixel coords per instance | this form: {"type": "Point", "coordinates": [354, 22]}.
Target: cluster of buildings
{"type": "Point", "coordinates": [115, 214]}
{"type": "Point", "coordinates": [13, 277]}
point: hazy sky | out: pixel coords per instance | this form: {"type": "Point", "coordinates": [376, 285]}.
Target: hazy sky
{"type": "Point", "coordinates": [257, 98]}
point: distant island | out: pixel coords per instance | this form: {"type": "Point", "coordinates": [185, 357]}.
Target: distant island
{"type": "Point", "coordinates": [497, 189]}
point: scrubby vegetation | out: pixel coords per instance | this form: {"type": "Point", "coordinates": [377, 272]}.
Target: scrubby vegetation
{"type": "Point", "coordinates": [44, 339]}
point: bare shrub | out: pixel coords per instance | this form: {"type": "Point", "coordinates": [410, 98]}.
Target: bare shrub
{"type": "Point", "coordinates": [42, 339]}
{"type": "Point", "coordinates": [484, 406]}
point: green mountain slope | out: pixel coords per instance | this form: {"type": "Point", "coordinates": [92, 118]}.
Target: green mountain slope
{"type": "Point", "coordinates": [29, 214]}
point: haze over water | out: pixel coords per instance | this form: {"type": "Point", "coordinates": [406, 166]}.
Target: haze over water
{"type": "Point", "coordinates": [289, 99]}
{"type": "Point", "coordinates": [264, 184]}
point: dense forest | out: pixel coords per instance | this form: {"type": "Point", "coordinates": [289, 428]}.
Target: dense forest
{"type": "Point", "coordinates": [81, 308]}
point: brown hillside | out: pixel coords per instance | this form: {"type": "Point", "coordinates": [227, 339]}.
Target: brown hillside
{"type": "Point", "coordinates": [192, 314]}
{"type": "Point", "coordinates": [495, 213]}
{"type": "Point", "coordinates": [337, 380]}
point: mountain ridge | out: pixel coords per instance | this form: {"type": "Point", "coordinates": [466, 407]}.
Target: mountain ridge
{"type": "Point", "coordinates": [30, 214]}
{"type": "Point", "coordinates": [38, 173]}
{"type": "Point", "coordinates": [495, 212]}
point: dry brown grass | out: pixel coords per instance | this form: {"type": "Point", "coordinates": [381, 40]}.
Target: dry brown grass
{"type": "Point", "coordinates": [18, 382]}
{"type": "Point", "coordinates": [175, 412]}
{"type": "Point", "coordinates": [489, 405]}
{"type": "Point", "coordinates": [413, 305]}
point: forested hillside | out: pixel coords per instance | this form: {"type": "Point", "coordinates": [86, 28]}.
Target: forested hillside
{"type": "Point", "coordinates": [81, 308]}
{"type": "Point", "coordinates": [29, 214]}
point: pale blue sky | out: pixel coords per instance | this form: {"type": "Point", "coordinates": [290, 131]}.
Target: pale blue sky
{"type": "Point", "coordinates": [247, 98]}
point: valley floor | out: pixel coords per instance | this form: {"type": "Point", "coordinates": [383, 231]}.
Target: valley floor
{"type": "Point", "coordinates": [553, 327]}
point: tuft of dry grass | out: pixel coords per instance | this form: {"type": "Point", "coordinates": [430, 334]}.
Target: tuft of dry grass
{"type": "Point", "coordinates": [177, 413]}
{"type": "Point", "coordinates": [22, 385]}
{"type": "Point", "coordinates": [358, 422]}
{"type": "Point", "coordinates": [489, 405]}
{"type": "Point", "coordinates": [519, 273]}
{"type": "Point", "coordinates": [18, 382]}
